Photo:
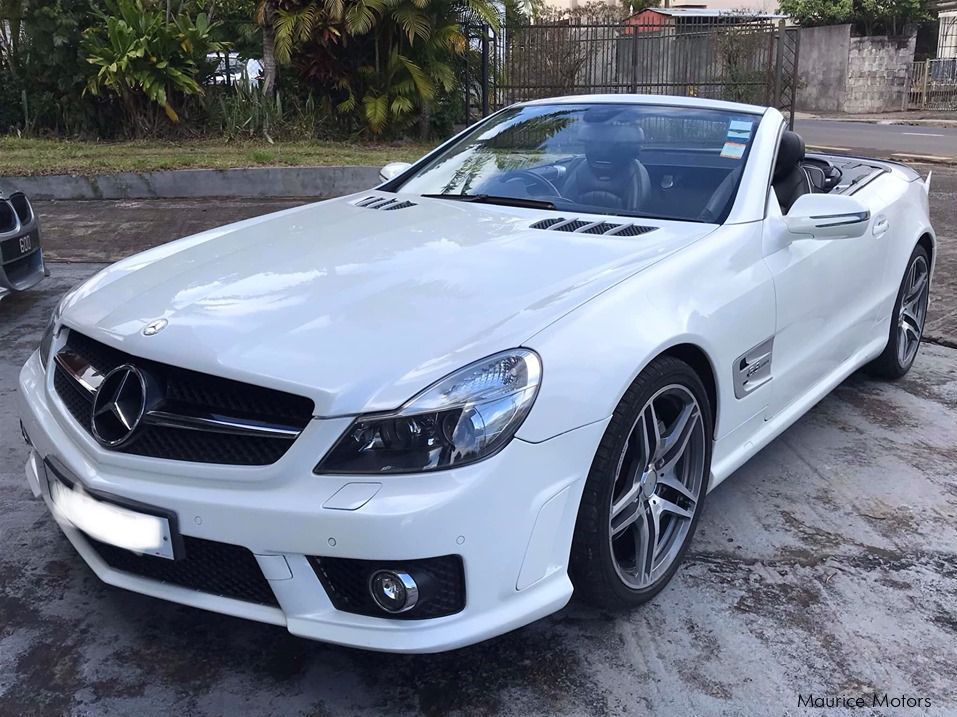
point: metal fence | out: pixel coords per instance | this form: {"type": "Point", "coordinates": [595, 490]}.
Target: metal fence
{"type": "Point", "coordinates": [738, 58]}
{"type": "Point", "coordinates": [933, 85]}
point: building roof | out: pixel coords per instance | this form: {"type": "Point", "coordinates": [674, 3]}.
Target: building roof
{"type": "Point", "coordinates": [701, 12]}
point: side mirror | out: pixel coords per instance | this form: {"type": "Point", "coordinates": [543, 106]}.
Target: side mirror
{"type": "Point", "coordinates": [393, 170]}
{"type": "Point", "coordinates": [827, 216]}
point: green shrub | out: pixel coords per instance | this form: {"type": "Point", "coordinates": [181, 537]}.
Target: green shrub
{"type": "Point", "coordinates": [381, 63]}
{"type": "Point", "coordinates": [246, 112]}
{"type": "Point", "coordinates": [146, 62]}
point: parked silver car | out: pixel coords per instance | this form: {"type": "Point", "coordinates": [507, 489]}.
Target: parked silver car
{"type": "Point", "coordinates": [21, 257]}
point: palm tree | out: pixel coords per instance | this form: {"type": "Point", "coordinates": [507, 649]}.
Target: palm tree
{"type": "Point", "coordinates": [11, 19]}
{"type": "Point", "coordinates": [381, 58]}
{"type": "Point", "coordinates": [265, 18]}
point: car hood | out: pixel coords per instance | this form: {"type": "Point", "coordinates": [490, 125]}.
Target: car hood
{"type": "Point", "coordinates": [358, 308]}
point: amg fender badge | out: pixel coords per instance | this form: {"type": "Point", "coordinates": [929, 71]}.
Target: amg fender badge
{"type": "Point", "coordinates": [753, 369]}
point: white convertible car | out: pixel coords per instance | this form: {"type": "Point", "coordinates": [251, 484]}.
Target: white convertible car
{"type": "Point", "coordinates": [422, 415]}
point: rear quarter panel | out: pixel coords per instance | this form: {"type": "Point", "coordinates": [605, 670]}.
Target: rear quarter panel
{"type": "Point", "coordinates": [907, 209]}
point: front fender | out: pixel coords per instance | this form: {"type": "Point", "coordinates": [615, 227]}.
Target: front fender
{"type": "Point", "coordinates": [715, 294]}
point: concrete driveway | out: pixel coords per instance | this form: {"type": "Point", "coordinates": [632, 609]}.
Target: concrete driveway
{"type": "Point", "coordinates": [826, 566]}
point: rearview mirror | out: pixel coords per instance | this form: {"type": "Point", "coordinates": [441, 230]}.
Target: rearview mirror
{"type": "Point", "coordinates": [827, 216]}
{"type": "Point", "coordinates": [393, 170]}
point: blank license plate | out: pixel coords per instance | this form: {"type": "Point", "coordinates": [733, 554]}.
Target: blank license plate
{"type": "Point", "coordinates": [113, 524]}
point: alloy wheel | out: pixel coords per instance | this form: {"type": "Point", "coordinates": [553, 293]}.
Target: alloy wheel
{"type": "Point", "coordinates": [913, 311]}
{"type": "Point", "coordinates": [658, 484]}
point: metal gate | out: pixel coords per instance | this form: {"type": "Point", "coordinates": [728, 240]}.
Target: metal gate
{"type": "Point", "coordinates": [933, 85]}
{"type": "Point", "coordinates": [734, 57]}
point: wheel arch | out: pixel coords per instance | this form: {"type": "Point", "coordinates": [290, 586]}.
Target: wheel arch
{"type": "Point", "coordinates": [927, 241]}
{"type": "Point", "coordinates": [701, 363]}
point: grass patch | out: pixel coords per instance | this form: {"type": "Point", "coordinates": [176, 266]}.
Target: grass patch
{"type": "Point", "coordinates": [25, 157]}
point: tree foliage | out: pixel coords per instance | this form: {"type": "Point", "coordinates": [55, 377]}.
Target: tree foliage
{"type": "Point", "coordinates": [40, 64]}
{"type": "Point", "coordinates": [134, 67]}
{"type": "Point", "coordinates": [378, 62]}
{"type": "Point", "coordinates": [146, 61]}
{"type": "Point", "coordinates": [868, 16]}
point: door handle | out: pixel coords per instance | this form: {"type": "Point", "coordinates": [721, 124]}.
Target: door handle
{"type": "Point", "coordinates": [881, 225]}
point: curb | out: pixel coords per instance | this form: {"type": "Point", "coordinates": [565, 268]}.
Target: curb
{"type": "Point", "coordinates": [900, 157]}
{"type": "Point", "coordinates": [946, 342]}
{"type": "Point", "coordinates": [898, 121]}
{"type": "Point", "coordinates": [254, 182]}
{"type": "Point", "coordinates": [923, 159]}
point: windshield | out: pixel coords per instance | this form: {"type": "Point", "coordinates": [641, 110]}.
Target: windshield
{"type": "Point", "coordinates": [653, 161]}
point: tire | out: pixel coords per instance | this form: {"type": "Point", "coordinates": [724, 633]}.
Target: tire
{"type": "Point", "coordinates": [601, 562]}
{"type": "Point", "coordinates": [907, 321]}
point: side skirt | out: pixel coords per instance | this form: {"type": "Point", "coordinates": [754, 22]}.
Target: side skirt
{"type": "Point", "coordinates": [728, 462]}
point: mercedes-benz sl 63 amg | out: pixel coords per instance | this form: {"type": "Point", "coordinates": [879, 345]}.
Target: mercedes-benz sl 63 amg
{"type": "Point", "coordinates": [422, 415]}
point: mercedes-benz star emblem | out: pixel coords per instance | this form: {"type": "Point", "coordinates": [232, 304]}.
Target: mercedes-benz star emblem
{"type": "Point", "coordinates": [154, 327]}
{"type": "Point", "coordinates": [119, 405]}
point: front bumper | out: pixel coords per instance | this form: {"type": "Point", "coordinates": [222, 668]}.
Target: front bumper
{"type": "Point", "coordinates": [510, 518]}
{"type": "Point", "coordinates": [21, 257]}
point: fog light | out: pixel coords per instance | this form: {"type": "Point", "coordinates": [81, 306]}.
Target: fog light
{"type": "Point", "coordinates": [393, 591]}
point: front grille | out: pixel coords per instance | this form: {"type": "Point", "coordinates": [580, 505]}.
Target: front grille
{"type": "Point", "coordinates": [75, 400]}
{"type": "Point", "coordinates": [207, 566]}
{"type": "Point", "coordinates": [8, 217]}
{"type": "Point", "coordinates": [188, 393]}
{"type": "Point", "coordinates": [21, 205]}
{"type": "Point", "coordinates": [441, 584]}
{"type": "Point", "coordinates": [177, 444]}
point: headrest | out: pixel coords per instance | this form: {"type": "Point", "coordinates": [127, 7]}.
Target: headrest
{"type": "Point", "coordinates": [790, 153]}
{"type": "Point", "coordinates": [611, 133]}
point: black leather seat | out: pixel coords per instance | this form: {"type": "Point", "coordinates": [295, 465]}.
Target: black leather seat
{"type": "Point", "coordinates": [790, 181]}
{"type": "Point", "coordinates": [610, 174]}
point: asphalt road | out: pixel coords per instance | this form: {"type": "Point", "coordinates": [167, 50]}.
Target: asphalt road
{"type": "Point", "coordinates": [878, 140]}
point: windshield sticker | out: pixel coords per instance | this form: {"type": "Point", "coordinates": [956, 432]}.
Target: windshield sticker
{"type": "Point", "coordinates": [733, 150]}
{"type": "Point", "coordinates": [740, 126]}
{"type": "Point", "coordinates": [739, 135]}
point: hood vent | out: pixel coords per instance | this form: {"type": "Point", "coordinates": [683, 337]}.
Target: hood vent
{"type": "Point", "coordinates": [385, 203]}
{"type": "Point", "coordinates": [581, 226]}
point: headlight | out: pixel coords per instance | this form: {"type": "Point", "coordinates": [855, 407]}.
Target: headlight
{"type": "Point", "coordinates": [467, 416]}
{"type": "Point", "coordinates": [46, 342]}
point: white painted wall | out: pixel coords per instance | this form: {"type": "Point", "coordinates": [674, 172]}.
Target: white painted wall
{"type": "Point", "coordinates": [758, 5]}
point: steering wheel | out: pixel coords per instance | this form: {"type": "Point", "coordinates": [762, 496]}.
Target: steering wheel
{"type": "Point", "coordinates": [719, 199]}
{"type": "Point", "coordinates": [532, 181]}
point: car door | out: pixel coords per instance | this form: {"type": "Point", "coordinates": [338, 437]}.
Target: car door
{"type": "Point", "coordinates": [827, 298]}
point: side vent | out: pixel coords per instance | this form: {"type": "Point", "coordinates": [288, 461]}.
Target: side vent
{"type": "Point", "coordinates": [580, 226]}
{"type": "Point", "coordinates": [385, 203]}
